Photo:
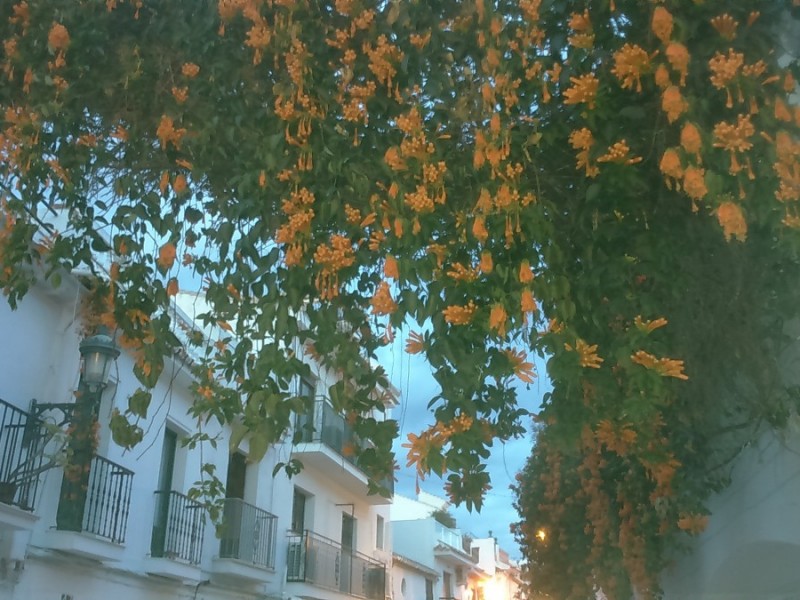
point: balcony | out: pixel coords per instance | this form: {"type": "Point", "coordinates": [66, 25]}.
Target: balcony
{"type": "Point", "coordinates": [450, 547]}
{"type": "Point", "coordinates": [247, 543]}
{"type": "Point", "coordinates": [23, 440]}
{"type": "Point", "coordinates": [326, 564]}
{"type": "Point", "coordinates": [327, 443]}
{"type": "Point", "coordinates": [448, 536]}
{"type": "Point", "coordinates": [94, 524]}
{"type": "Point", "coordinates": [176, 547]}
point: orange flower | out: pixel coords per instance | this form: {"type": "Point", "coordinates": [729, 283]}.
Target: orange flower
{"type": "Point", "coordinates": [460, 315]}
{"type": "Point", "coordinates": [390, 268]}
{"type": "Point", "coordinates": [587, 354]}
{"type": "Point", "coordinates": [415, 343]}
{"type": "Point", "coordinates": [629, 64]}
{"type": "Point", "coordinates": [172, 287]}
{"type": "Point", "coordinates": [393, 159]}
{"type": "Point", "coordinates": [662, 77]}
{"type": "Point", "coordinates": [725, 68]}
{"type": "Point", "coordinates": [58, 37]}
{"type": "Point", "coordinates": [693, 523]}
{"type": "Point", "coordinates": [582, 139]}
{"type": "Point", "coordinates": [690, 139]}
{"type": "Point", "coordinates": [190, 70]}
{"type": "Point", "coordinates": [163, 182]}
{"type": "Point", "coordinates": [781, 111]}
{"type": "Point", "coordinates": [670, 164]}
{"type": "Point", "coordinates": [479, 229]}
{"type": "Point", "coordinates": [525, 272]}
{"type": "Point", "coordinates": [673, 103]}
{"type": "Point", "coordinates": [461, 273]}
{"type": "Point", "coordinates": [166, 256]}
{"type": "Point", "coordinates": [725, 25]}
{"type": "Point", "coordinates": [732, 221]}
{"type": "Point", "coordinates": [582, 26]}
{"type": "Point", "coordinates": [694, 183]}
{"type": "Point", "coordinates": [522, 368]}
{"type": "Point", "coordinates": [619, 153]}
{"type": "Point", "coordinates": [382, 302]}
{"type": "Point", "coordinates": [527, 301]}
{"type": "Point", "coordinates": [419, 447]}
{"type": "Point", "coordinates": [678, 57]}
{"type": "Point", "coordinates": [486, 265]}
{"type": "Point", "coordinates": [180, 94]}
{"type": "Point", "coordinates": [666, 367]}
{"type": "Point", "coordinates": [662, 24]}
{"type": "Point", "coordinates": [498, 318]}
{"type": "Point", "coordinates": [648, 326]}
{"type": "Point", "coordinates": [167, 133]}
{"type": "Point", "coordinates": [734, 138]}
{"type": "Point", "coordinates": [583, 90]}
{"type": "Point", "coordinates": [179, 185]}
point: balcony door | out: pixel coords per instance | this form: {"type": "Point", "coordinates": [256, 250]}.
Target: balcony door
{"type": "Point", "coordinates": [165, 475]}
{"type": "Point", "coordinates": [348, 545]}
{"type": "Point", "coordinates": [305, 424]}
{"type": "Point", "coordinates": [240, 528]}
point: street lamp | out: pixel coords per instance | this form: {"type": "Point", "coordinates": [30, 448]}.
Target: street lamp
{"type": "Point", "coordinates": [98, 352]}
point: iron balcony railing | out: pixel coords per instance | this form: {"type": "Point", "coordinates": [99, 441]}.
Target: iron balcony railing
{"type": "Point", "coordinates": [325, 563]}
{"type": "Point", "coordinates": [108, 500]}
{"type": "Point", "coordinates": [23, 439]}
{"type": "Point", "coordinates": [324, 424]}
{"type": "Point", "coordinates": [248, 533]}
{"type": "Point", "coordinates": [178, 528]}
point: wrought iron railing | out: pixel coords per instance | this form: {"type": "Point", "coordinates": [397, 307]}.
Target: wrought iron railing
{"type": "Point", "coordinates": [248, 533]}
{"type": "Point", "coordinates": [23, 439]}
{"type": "Point", "coordinates": [325, 563]}
{"type": "Point", "coordinates": [108, 499]}
{"type": "Point", "coordinates": [178, 528]}
{"type": "Point", "coordinates": [324, 424]}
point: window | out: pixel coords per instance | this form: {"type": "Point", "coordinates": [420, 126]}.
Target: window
{"type": "Point", "coordinates": [429, 589]}
{"type": "Point", "coordinates": [299, 510]}
{"type": "Point", "coordinates": [379, 528]}
{"type": "Point", "coordinates": [476, 554]}
{"type": "Point", "coordinates": [403, 587]}
{"type": "Point", "coordinates": [447, 585]}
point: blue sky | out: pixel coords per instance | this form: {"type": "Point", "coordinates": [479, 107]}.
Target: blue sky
{"type": "Point", "coordinates": [412, 376]}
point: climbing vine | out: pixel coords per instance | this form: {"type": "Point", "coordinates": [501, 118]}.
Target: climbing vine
{"type": "Point", "coordinates": [612, 184]}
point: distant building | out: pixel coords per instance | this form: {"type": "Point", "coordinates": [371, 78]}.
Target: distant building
{"type": "Point", "coordinates": [439, 549]}
{"type": "Point", "coordinates": [501, 575]}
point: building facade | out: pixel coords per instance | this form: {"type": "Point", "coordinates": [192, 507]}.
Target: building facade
{"type": "Point", "coordinates": [136, 530]}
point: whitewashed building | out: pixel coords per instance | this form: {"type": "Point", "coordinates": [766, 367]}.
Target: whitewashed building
{"type": "Point", "coordinates": [500, 578]}
{"type": "Point", "coordinates": [421, 538]}
{"type": "Point", "coordinates": [318, 535]}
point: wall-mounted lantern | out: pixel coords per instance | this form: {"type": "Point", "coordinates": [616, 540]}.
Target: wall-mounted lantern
{"type": "Point", "coordinates": [98, 353]}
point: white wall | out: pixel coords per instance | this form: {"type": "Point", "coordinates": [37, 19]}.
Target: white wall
{"type": "Point", "coordinates": [751, 547]}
